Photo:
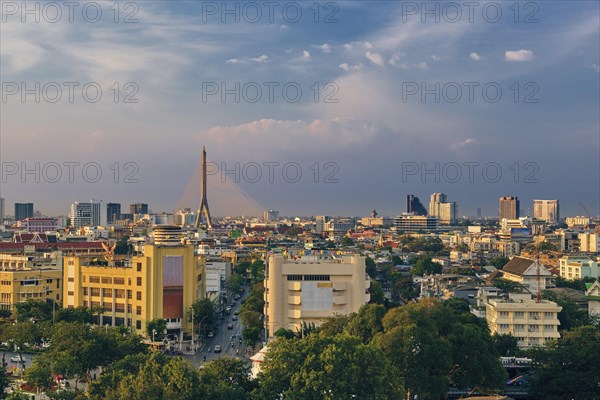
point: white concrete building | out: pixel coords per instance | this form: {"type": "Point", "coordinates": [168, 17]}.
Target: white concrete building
{"type": "Point", "coordinates": [578, 267]}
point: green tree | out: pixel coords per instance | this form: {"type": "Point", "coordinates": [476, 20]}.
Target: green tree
{"type": "Point", "coordinates": [156, 328]}
{"type": "Point", "coordinates": [284, 333]}
{"type": "Point", "coordinates": [226, 379]}
{"type": "Point", "coordinates": [4, 381]}
{"type": "Point", "coordinates": [371, 267]}
{"type": "Point", "coordinates": [257, 270]}
{"type": "Point", "coordinates": [568, 368]}
{"type": "Point", "coordinates": [571, 314]}
{"type": "Point", "coordinates": [73, 394]}
{"type": "Point", "coordinates": [335, 325]}
{"type": "Point", "coordinates": [367, 322]}
{"type": "Point", "coordinates": [123, 246]}
{"type": "Point", "coordinates": [498, 262]}
{"type": "Point", "coordinates": [377, 294]}
{"type": "Point", "coordinates": [251, 335]}
{"type": "Point", "coordinates": [40, 373]}
{"type": "Point", "coordinates": [241, 268]}
{"type": "Point", "coordinates": [204, 314]}
{"type": "Point", "coordinates": [35, 310]}
{"type": "Point", "coordinates": [320, 367]}
{"type": "Point", "coordinates": [347, 242]}
{"type": "Point", "coordinates": [82, 315]}
{"type": "Point", "coordinates": [506, 345]}
{"type": "Point", "coordinates": [424, 266]}
{"type": "Point", "coordinates": [235, 283]}
{"type": "Point", "coordinates": [457, 304]}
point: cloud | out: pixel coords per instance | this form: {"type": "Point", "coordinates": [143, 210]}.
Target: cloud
{"type": "Point", "coordinates": [435, 57]}
{"type": "Point", "coordinates": [519, 55]}
{"type": "Point", "coordinates": [474, 56]}
{"type": "Point", "coordinates": [325, 48]}
{"type": "Point", "coordinates": [306, 54]}
{"type": "Point", "coordinates": [232, 61]}
{"type": "Point", "coordinates": [462, 144]}
{"type": "Point", "coordinates": [347, 67]}
{"type": "Point", "coordinates": [260, 59]}
{"type": "Point", "coordinates": [359, 44]}
{"type": "Point", "coordinates": [396, 58]}
{"type": "Point", "coordinates": [375, 58]}
{"type": "Point", "coordinates": [272, 136]}
{"type": "Point", "coordinates": [595, 67]}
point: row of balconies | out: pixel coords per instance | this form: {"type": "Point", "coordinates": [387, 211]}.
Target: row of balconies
{"type": "Point", "coordinates": [337, 300]}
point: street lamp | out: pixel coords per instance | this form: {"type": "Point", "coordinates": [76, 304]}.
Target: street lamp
{"type": "Point", "coordinates": [153, 333]}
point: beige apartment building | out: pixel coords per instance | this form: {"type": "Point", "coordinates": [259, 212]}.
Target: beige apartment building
{"type": "Point", "coordinates": [578, 267]}
{"type": "Point", "coordinates": [313, 288]}
{"type": "Point", "coordinates": [532, 323]}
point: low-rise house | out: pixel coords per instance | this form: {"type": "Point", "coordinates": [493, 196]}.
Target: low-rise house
{"type": "Point", "coordinates": [525, 271]}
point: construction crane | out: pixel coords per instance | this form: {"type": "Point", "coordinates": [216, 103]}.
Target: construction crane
{"type": "Point", "coordinates": [585, 209]}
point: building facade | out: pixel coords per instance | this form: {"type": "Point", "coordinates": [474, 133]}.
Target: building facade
{"type": "Point", "coordinates": [589, 242]}
{"type": "Point", "coordinates": [413, 223]}
{"type": "Point", "coordinates": [509, 207]}
{"type": "Point", "coordinates": [531, 323]}
{"type": "Point", "coordinates": [163, 282]}
{"type": "Point", "coordinates": [414, 205]}
{"type": "Point", "coordinates": [20, 284]}
{"type": "Point", "coordinates": [312, 289]}
{"type": "Point", "coordinates": [87, 214]}
{"type": "Point", "coordinates": [546, 210]}
{"type": "Point", "coordinates": [445, 211]}
{"type": "Point", "coordinates": [578, 267]}
{"type": "Point", "coordinates": [113, 212]}
{"type": "Point", "coordinates": [23, 210]}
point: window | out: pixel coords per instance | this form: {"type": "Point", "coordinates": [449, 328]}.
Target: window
{"type": "Point", "coordinates": [95, 291]}
{"type": "Point", "coordinates": [138, 310]}
{"type": "Point", "coordinates": [69, 279]}
{"type": "Point", "coordinates": [294, 277]}
{"type": "Point", "coordinates": [107, 292]}
{"type": "Point", "coordinates": [534, 315]}
{"type": "Point", "coordinates": [138, 324]}
{"type": "Point", "coordinates": [316, 277]}
{"type": "Point", "coordinates": [519, 314]}
{"type": "Point", "coordinates": [94, 279]}
{"type": "Point", "coordinates": [139, 281]}
{"type": "Point", "coordinates": [139, 267]}
{"type": "Point", "coordinates": [504, 314]}
{"type": "Point", "coordinates": [70, 293]}
{"type": "Point", "coordinates": [129, 294]}
{"type": "Point", "coordinates": [120, 293]}
{"type": "Point", "coordinates": [107, 280]}
{"type": "Point", "coordinates": [129, 308]}
{"type": "Point", "coordinates": [48, 280]}
{"type": "Point", "coordinates": [119, 307]}
{"type": "Point", "coordinates": [119, 281]}
{"type": "Point", "coordinates": [548, 315]}
{"type": "Point", "coordinates": [6, 283]}
{"type": "Point", "coordinates": [85, 291]}
{"type": "Point", "coordinates": [107, 305]}
{"type": "Point", "coordinates": [138, 296]}
{"type": "Point", "coordinates": [83, 278]}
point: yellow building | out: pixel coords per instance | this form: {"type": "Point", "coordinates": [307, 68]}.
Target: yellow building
{"type": "Point", "coordinates": [163, 282]}
{"type": "Point", "coordinates": [532, 323]}
{"type": "Point", "coordinates": [19, 285]}
{"type": "Point", "coordinates": [312, 288]}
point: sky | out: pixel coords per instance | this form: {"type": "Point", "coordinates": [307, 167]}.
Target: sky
{"type": "Point", "coordinates": [308, 108]}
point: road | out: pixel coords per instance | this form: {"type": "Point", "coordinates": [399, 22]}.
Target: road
{"type": "Point", "coordinates": [223, 337]}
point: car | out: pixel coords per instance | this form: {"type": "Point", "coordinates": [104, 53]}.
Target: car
{"type": "Point", "coordinates": [233, 337]}
{"type": "Point", "coordinates": [234, 318]}
{"type": "Point", "coordinates": [211, 334]}
{"type": "Point", "coordinates": [230, 326]}
{"type": "Point", "coordinates": [237, 296]}
{"type": "Point", "coordinates": [519, 380]}
{"type": "Point", "coordinates": [217, 348]}
{"type": "Point", "coordinates": [18, 359]}
{"type": "Point", "coordinates": [228, 309]}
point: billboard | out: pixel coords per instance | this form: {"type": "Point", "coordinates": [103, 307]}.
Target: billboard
{"type": "Point", "coordinates": [172, 287]}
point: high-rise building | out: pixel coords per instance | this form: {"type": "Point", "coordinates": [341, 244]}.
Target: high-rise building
{"type": "Point", "coordinates": [414, 223]}
{"type": "Point", "coordinates": [87, 214]}
{"type": "Point", "coordinates": [443, 210]}
{"type": "Point", "coordinates": [478, 212]}
{"type": "Point", "coordinates": [321, 220]}
{"type": "Point", "coordinates": [414, 205]}
{"type": "Point", "coordinates": [23, 210]}
{"type": "Point", "coordinates": [509, 207]}
{"type": "Point", "coordinates": [311, 289]}
{"type": "Point", "coordinates": [113, 212]}
{"type": "Point", "coordinates": [270, 215]}
{"type": "Point", "coordinates": [138, 208]}
{"type": "Point", "coordinates": [546, 210]}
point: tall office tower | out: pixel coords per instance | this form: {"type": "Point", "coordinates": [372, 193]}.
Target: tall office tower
{"type": "Point", "coordinates": [203, 207]}
{"type": "Point", "coordinates": [271, 215]}
{"type": "Point", "coordinates": [1, 210]}
{"type": "Point", "coordinates": [546, 210]}
{"type": "Point", "coordinates": [113, 212]}
{"type": "Point", "coordinates": [87, 214]}
{"type": "Point", "coordinates": [138, 208]}
{"type": "Point", "coordinates": [23, 210]}
{"type": "Point", "coordinates": [413, 205]}
{"type": "Point", "coordinates": [321, 221]}
{"type": "Point", "coordinates": [509, 207]}
{"type": "Point", "coordinates": [478, 212]}
{"type": "Point", "coordinates": [445, 211]}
